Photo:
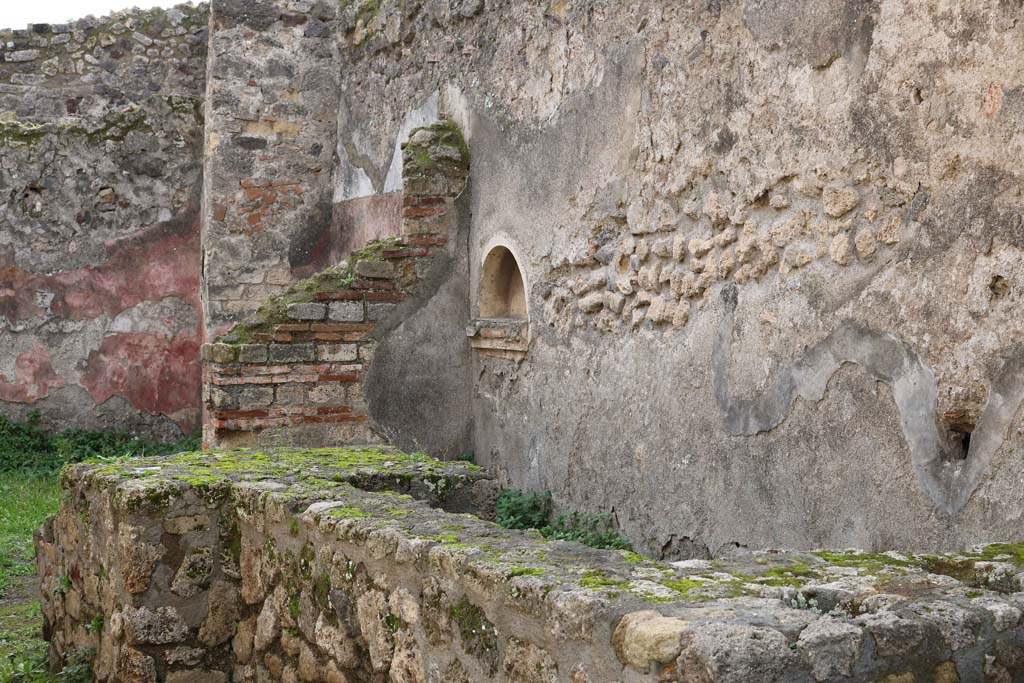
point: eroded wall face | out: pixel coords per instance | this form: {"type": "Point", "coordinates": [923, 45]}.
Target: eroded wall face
{"type": "Point", "coordinates": [270, 139]}
{"type": "Point", "coordinates": [100, 174]}
{"type": "Point", "coordinates": [772, 274]}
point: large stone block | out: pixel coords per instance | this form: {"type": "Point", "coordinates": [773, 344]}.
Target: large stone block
{"type": "Point", "coordinates": [346, 311]}
{"type": "Point", "coordinates": [291, 353]}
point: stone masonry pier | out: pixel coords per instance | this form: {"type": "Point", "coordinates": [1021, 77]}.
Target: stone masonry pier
{"type": "Point", "coordinates": [367, 564]}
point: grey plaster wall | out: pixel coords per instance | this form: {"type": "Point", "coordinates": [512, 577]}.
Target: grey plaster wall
{"type": "Point", "coordinates": [773, 255]}
{"type": "Point", "coordinates": [417, 388]}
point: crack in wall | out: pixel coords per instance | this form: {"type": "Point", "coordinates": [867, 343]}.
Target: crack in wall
{"type": "Point", "coordinates": [949, 484]}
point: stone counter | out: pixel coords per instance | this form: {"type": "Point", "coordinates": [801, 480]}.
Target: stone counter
{"type": "Point", "coordinates": [368, 564]}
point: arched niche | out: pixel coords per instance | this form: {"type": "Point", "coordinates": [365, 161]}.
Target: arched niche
{"type": "Point", "coordinates": [502, 289]}
{"type": "Point", "coordinates": [502, 325]}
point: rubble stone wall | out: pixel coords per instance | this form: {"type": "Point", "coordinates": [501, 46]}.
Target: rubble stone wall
{"type": "Point", "coordinates": [100, 173]}
{"type": "Point", "coordinates": [359, 565]}
{"type": "Point", "coordinates": [268, 164]}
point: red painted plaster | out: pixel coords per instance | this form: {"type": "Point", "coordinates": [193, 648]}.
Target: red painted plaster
{"type": "Point", "coordinates": [34, 376]}
{"type": "Point", "coordinates": [153, 264]}
{"type": "Point", "coordinates": [152, 372]}
{"type": "Point", "coordinates": [156, 374]}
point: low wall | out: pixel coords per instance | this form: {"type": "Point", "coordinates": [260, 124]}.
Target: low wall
{"type": "Point", "coordinates": [363, 565]}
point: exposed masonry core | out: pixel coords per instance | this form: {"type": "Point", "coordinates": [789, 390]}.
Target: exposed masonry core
{"type": "Point", "coordinates": [294, 372]}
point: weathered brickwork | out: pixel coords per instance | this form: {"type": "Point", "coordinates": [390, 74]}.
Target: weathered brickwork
{"type": "Point", "coordinates": [362, 565]}
{"type": "Point", "coordinates": [100, 173]}
{"type": "Point", "coordinates": [294, 372]}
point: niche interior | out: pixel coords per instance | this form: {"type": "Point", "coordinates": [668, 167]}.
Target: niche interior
{"type": "Point", "coordinates": [502, 324]}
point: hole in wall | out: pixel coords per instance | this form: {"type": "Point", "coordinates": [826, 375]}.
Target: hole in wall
{"type": "Point", "coordinates": [999, 286]}
{"type": "Point", "coordinates": [960, 427]}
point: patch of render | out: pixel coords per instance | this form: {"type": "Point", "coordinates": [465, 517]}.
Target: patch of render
{"type": "Point", "coordinates": [948, 480]}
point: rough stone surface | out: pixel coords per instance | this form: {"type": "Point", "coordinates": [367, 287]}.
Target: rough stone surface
{"type": "Point", "coordinates": [771, 277]}
{"type": "Point", "coordinates": [101, 131]}
{"type": "Point", "coordinates": [369, 568]}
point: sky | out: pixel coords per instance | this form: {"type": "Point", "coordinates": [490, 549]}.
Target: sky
{"type": "Point", "coordinates": [20, 13]}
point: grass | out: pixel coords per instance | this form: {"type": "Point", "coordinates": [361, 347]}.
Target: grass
{"type": "Point", "coordinates": [30, 461]}
{"type": "Point", "coordinates": [25, 501]}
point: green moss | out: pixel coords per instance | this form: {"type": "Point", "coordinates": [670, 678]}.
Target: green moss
{"type": "Point", "coordinates": [22, 133]}
{"type": "Point", "coordinates": [347, 512]}
{"type": "Point", "coordinates": [868, 563]}
{"type": "Point", "coordinates": [478, 634]}
{"type": "Point", "coordinates": [446, 538]}
{"type": "Point", "coordinates": [201, 481]}
{"type": "Point", "coordinates": [335, 279]}
{"type": "Point", "coordinates": [1008, 552]}
{"type": "Point", "coordinates": [790, 575]}
{"type": "Point", "coordinates": [293, 607]}
{"type": "Point", "coordinates": [683, 586]}
{"type": "Point", "coordinates": [306, 558]}
{"type": "Point", "coordinates": [234, 543]}
{"type": "Point", "coordinates": [421, 160]}
{"type": "Point", "coordinates": [322, 593]}
{"type": "Point", "coordinates": [525, 571]}
{"type": "Point", "coordinates": [392, 622]}
{"type": "Point", "coordinates": [598, 580]}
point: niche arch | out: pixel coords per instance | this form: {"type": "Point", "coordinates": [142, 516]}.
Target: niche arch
{"type": "Point", "coordinates": [502, 323]}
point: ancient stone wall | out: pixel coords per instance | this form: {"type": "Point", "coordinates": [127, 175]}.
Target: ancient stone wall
{"type": "Point", "coordinates": [298, 371]}
{"type": "Point", "coordinates": [100, 172]}
{"type": "Point", "coordinates": [350, 566]}
{"type": "Point", "coordinates": [771, 271]}
{"type": "Point", "coordinates": [270, 139]}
